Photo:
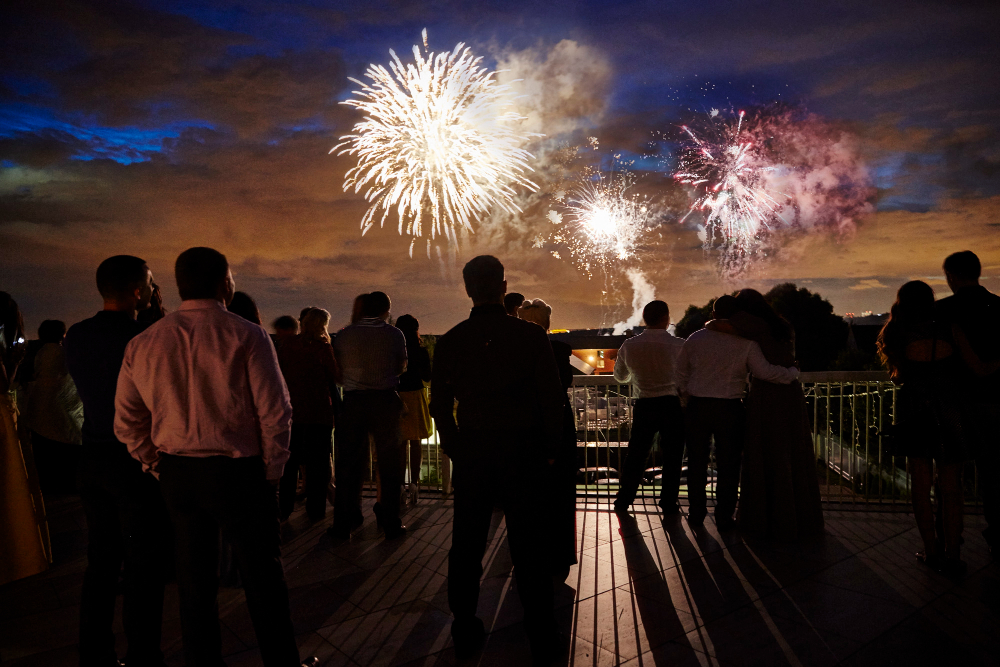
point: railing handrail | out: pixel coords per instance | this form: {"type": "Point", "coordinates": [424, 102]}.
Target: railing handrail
{"type": "Point", "coordinates": [815, 376]}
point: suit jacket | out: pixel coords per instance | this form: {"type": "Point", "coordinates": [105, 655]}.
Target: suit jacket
{"type": "Point", "coordinates": [501, 372]}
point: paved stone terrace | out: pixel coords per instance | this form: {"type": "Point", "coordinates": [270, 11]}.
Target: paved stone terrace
{"type": "Point", "coordinates": [644, 593]}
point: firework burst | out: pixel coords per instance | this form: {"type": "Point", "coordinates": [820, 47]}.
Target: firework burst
{"type": "Point", "coordinates": [726, 168]}
{"type": "Point", "coordinates": [760, 176]}
{"type": "Point", "coordinates": [603, 220]}
{"type": "Point", "coordinates": [438, 143]}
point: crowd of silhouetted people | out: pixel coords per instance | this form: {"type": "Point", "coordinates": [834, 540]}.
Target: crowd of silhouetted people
{"type": "Point", "coordinates": [176, 426]}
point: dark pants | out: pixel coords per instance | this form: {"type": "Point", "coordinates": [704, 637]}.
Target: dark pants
{"type": "Point", "coordinates": [365, 413]}
{"type": "Point", "coordinates": [126, 525]}
{"type": "Point", "coordinates": [724, 419]}
{"type": "Point", "coordinates": [202, 495]}
{"type": "Point", "coordinates": [310, 447]}
{"type": "Point", "coordinates": [491, 470]}
{"type": "Point", "coordinates": [983, 420]}
{"type": "Point", "coordinates": [57, 464]}
{"type": "Point", "coordinates": [650, 416]}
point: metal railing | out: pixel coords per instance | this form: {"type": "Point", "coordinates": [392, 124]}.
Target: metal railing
{"type": "Point", "coordinates": [849, 413]}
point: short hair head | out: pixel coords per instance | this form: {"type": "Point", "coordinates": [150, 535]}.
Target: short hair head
{"type": "Point", "coordinates": [963, 265]}
{"type": "Point", "coordinates": [407, 324]}
{"type": "Point", "coordinates": [120, 276]}
{"type": "Point", "coordinates": [725, 307]}
{"type": "Point", "coordinates": [512, 301]}
{"type": "Point", "coordinates": [286, 323]}
{"type": "Point", "coordinates": [199, 272]}
{"type": "Point", "coordinates": [484, 279]}
{"type": "Point", "coordinates": [655, 312]}
{"type": "Point", "coordinates": [537, 311]}
{"type": "Point", "coordinates": [375, 304]}
{"type": "Point", "coordinates": [51, 331]}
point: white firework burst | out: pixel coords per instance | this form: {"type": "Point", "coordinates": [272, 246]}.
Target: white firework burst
{"type": "Point", "coordinates": [439, 142]}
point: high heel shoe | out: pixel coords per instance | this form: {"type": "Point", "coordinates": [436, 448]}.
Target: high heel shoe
{"type": "Point", "coordinates": [933, 561]}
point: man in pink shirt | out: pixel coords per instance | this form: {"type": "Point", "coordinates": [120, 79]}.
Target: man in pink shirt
{"type": "Point", "coordinates": [202, 404]}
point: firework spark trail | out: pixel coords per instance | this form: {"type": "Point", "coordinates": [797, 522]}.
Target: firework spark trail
{"type": "Point", "coordinates": [438, 139]}
{"type": "Point", "coordinates": [759, 176]}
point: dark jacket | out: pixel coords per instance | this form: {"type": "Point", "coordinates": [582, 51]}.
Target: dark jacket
{"type": "Point", "coordinates": [503, 375]}
{"type": "Point", "coordinates": [976, 311]}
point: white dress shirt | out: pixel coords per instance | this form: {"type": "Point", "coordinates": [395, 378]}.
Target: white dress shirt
{"type": "Point", "coordinates": [715, 365]}
{"type": "Point", "coordinates": [649, 362]}
{"type": "Point", "coordinates": [203, 382]}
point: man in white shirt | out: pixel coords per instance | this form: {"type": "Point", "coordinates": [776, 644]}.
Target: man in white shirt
{"type": "Point", "coordinates": [202, 404]}
{"type": "Point", "coordinates": [712, 373]}
{"type": "Point", "coordinates": [648, 361]}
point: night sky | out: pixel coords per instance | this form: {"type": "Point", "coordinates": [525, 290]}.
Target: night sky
{"type": "Point", "coordinates": [149, 127]}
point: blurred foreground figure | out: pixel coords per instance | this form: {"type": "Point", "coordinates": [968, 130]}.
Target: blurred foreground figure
{"type": "Point", "coordinates": [502, 373]}
{"type": "Point", "coordinates": [24, 533]}
{"type": "Point", "coordinates": [127, 523]}
{"type": "Point", "coordinates": [201, 403]}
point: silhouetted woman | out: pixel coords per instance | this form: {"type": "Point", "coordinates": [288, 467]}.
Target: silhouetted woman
{"type": "Point", "coordinates": [919, 353]}
{"type": "Point", "coordinates": [779, 486]}
{"type": "Point", "coordinates": [311, 373]}
{"type": "Point", "coordinates": [415, 422]}
{"type": "Point", "coordinates": [244, 306]}
{"type": "Point", "coordinates": [24, 532]}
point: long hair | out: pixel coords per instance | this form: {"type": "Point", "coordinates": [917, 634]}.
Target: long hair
{"type": "Point", "coordinates": [314, 324]}
{"type": "Point", "coordinates": [244, 306]}
{"type": "Point", "coordinates": [914, 305]}
{"type": "Point", "coordinates": [752, 302]}
{"type": "Point", "coordinates": [410, 327]}
{"type": "Point", "coordinates": [357, 307]}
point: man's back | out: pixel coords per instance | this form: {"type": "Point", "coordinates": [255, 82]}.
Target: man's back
{"type": "Point", "coordinates": [371, 355]}
{"type": "Point", "coordinates": [650, 361]}
{"type": "Point", "coordinates": [976, 311]}
{"type": "Point", "coordinates": [716, 365]}
{"type": "Point", "coordinates": [95, 348]}
{"type": "Point", "coordinates": [502, 372]}
{"type": "Point", "coordinates": [210, 383]}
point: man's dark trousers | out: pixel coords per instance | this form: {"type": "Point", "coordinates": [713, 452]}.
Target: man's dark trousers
{"type": "Point", "coordinates": [202, 495]}
{"type": "Point", "coordinates": [126, 525]}
{"type": "Point", "coordinates": [310, 446]}
{"type": "Point", "coordinates": [983, 420]}
{"type": "Point", "coordinates": [650, 416]}
{"type": "Point", "coordinates": [374, 412]}
{"type": "Point", "coordinates": [725, 419]}
{"type": "Point", "coordinates": [491, 470]}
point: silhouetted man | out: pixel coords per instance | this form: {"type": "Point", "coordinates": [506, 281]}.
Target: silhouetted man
{"type": "Point", "coordinates": [126, 519]}
{"type": "Point", "coordinates": [976, 312]}
{"type": "Point", "coordinates": [201, 403]}
{"type": "Point", "coordinates": [649, 362]}
{"type": "Point", "coordinates": [511, 302]}
{"type": "Point", "coordinates": [501, 372]}
{"type": "Point", "coordinates": [712, 371]}
{"type": "Point", "coordinates": [371, 355]}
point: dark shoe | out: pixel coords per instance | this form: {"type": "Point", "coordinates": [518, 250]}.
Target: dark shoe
{"type": "Point", "coordinates": [696, 518]}
{"type": "Point", "coordinates": [311, 661]}
{"type": "Point", "coordinates": [469, 638]}
{"type": "Point", "coordinates": [393, 533]}
{"type": "Point", "coordinates": [670, 509]}
{"type": "Point", "coordinates": [954, 567]}
{"type": "Point", "coordinates": [339, 531]}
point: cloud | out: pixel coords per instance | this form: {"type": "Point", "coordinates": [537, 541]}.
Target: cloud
{"type": "Point", "coordinates": [870, 283]}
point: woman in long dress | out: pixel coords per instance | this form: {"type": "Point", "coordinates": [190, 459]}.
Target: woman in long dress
{"type": "Point", "coordinates": [779, 487]}
{"type": "Point", "coordinates": [24, 533]}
